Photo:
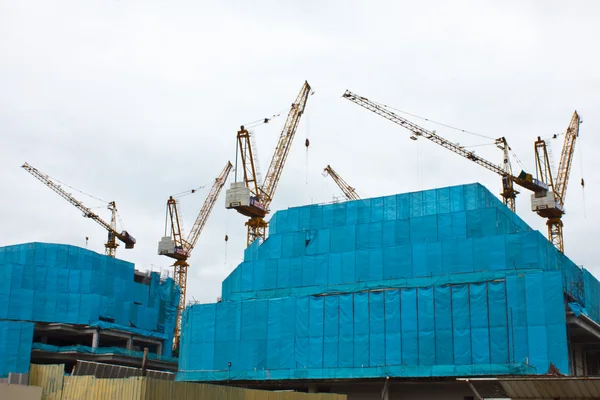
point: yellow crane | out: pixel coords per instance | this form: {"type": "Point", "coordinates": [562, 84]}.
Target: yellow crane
{"type": "Point", "coordinates": [551, 206]}
{"type": "Point", "coordinates": [111, 244]}
{"type": "Point", "coordinates": [348, 190]}
{"type": "Point", "coordinates": [180, 248]}
{"type": "Point", "coordinates": [251, 197]}
{"type": "Point", "coordinates": [505, 171]}
{"type": "Point", "coordinates": [542, 195]}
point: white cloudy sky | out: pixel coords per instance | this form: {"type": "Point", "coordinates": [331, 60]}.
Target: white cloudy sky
{"type": "Point", "coordinates": [135, 100]}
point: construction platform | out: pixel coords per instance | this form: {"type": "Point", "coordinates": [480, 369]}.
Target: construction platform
{"type": "Point", "coordinates": [430, 285]}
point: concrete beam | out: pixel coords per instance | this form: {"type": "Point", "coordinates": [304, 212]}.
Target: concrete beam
{"type": "Point", "coordinates": [586, 323]}
{"type": "Point", "coordinates": [117, 359]}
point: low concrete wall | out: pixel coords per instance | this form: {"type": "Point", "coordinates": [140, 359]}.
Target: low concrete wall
{"type": "Point", "coordinates": [19, 392]}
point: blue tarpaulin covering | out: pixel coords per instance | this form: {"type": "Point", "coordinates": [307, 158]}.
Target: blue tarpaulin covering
{"type": "Point", "coordinates": [433, 330]}
{"type": "Point", "coordinates": [42, 282]}
{"type": "Point", "coordinates": [444, 282]}
{"type": "Point", "coordinates": [15, 347]}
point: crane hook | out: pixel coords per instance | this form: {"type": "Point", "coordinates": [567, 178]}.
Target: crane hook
{"type": "Point", "coordinates": [226, 238]}
{"type": "Point", "coordinates": [307, 142]}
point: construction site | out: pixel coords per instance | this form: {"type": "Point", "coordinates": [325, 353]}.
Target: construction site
{"type": "Point", "coordinates": [458, 276]}
{"type": "Point", "coordinates": [443, 293]}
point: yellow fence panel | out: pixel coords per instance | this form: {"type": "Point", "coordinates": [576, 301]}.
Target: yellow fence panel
{"type": "Point", "coordinates": [56, 386]}
{"type": "Point", "coordinates": [49, 378]}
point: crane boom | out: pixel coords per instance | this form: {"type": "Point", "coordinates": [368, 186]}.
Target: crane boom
{"type": "Point", "coordinates": [181, 249]}
{"type": "Point", "coordinates": [348, 190]}
{"type": "Point", "coordinates": [206, 209]}
{"type": "Point", "coordinates": [46, 180]}
{"type": "Point", "coordinates": [284, 145]}
{"type": "Point", "coordinates": [566, 158]}
{"type": "Point", "coordinates": [249, 197]}
{"type": "Point", "coordinates": [111, 244]}
{"type": "Point", "coordinates": [524, 180]}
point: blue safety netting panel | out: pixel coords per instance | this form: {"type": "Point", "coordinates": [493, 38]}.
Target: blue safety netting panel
{"type": "Point", "coordinates": [480, 328]}
{"type": "Point", "coordinates": [60, 283]}
{"type": "Point", "coordinates": [15, 347]}
{"type": "Point", "coordinates": [448, 231]}
{"type": "Point", "coordinates": [441, 282]}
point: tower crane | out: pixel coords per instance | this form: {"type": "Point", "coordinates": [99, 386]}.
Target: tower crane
{"type": "Point", "coordinates": [111, 244]}
{"type": "Point", "coordinates": [551, 206]}
{"type": "Point", "coordinates": [251, 197]}
{"type": "Point", "coordinates": [348, 190]}
{"type": "Point", "coordinates": [180, 248]}
{"type": "Point", "coordinates": [543, 202]}
{"type": "Point", "coordinates": [509, 193]}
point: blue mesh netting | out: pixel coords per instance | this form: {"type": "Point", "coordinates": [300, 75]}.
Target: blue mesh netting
{"type": "Point", "coordinates": [58, 283]}
{"type": "Point", "coordinates": [483, 328]}
{"type": "Point", "coordinates": [15, 347]}
{"type": "Point", "coordinates": [441, 282]}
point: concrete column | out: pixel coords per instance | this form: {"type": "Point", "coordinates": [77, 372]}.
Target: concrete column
{"type": "Point", "coordinates": [95, 339]}
{"type": "Point", "coordinates": [130, 343]}
{"type": "Point", "coordinates": [159, 349]}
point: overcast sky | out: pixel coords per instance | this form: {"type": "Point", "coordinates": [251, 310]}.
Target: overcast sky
{"type": "Point", "coordinates": [132, 101]}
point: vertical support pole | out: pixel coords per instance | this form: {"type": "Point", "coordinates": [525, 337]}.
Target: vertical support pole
{"type": "Point", "coordinates": [95, 339]}
{"type": "Point", "coordinates": [130, 343]}
{"type": "Point", "coordinates": [384, 392]}
{"type": "Point", "coordinates": [475, 392]}
{"type": "Point", "coordinates": [144, 361]}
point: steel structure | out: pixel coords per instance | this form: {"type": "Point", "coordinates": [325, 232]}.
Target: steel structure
{"type": "Point", "coordinates": [180, 248]}
{"type": "Point", "coordinates": [348, 190]}
{"type": "Point", "coordinates": [552, 207]}
{"type": "Point", "coordinates": [505, 171]}
{"type": "Point", "coordinates": [111, 244]}
{"type": "Point", "coordinates": [261, 195]}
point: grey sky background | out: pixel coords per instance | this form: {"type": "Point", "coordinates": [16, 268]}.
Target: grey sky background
{"type": "Point", "coordinates": [135, 100]}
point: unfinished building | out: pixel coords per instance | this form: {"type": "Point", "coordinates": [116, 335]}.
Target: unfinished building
{"type": "Point", "coordinates": [60, 303]}
{"type": "Point", "coordinates": [369, 295]}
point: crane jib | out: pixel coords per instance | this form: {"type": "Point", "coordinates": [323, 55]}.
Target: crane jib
{"type": "Point", "coordinates": [528, 183]}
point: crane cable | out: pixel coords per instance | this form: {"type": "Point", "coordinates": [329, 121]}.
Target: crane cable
{"type": "Point", "coordinates": [91, 196]}
{"type": "Point", "coordinates": [77, 190]}
{"type": "Point", "coordinates": [582, 181]}
{"type": "Point", "coordinates": [262, 121]}
{"type": "Point", "coordinates": [435, 122]}
{"type": "Point", "coordinates": [120, 220]}
{"type": "Point", "coordinates": [461, 130]}
{"type": "Point", "coordinates": [307, 144]}
{"type": "Point", "coordinates": [186, 192]}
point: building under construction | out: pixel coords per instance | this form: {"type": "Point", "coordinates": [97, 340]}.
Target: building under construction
{"type": "Point", "coordinates": [60, 304]}
{"type": "Point", "coordinates": [362, 297]}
